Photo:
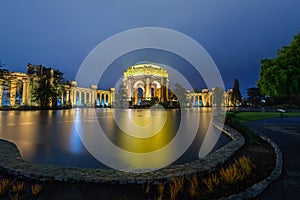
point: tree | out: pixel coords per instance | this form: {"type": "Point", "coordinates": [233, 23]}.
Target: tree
{"type": "Point", "coordinates": [48, 89]}
{"type": "Point", "coordinates": [254, 96]}
{"type": "Point", "coordinates": [154, 100]}
{"type": "Point", "coordinates": [3, 71]}
{"type": "Point", "coordinates": [236, 96]}
{"type": "Point", "coordinates": [43, 92]}
{"type": "Point", "coordinates": [57, 86]}
{"type": "Point", "coordinates": [180, 93]}
{"type": "Point", "coordinates": [280, 76]}
{"type": "Point", "coordinates": [121, 97]}
{"type": "Point", "coordinates": [218, 96]}
{"type": "Point", "coordinates": [196, 90]}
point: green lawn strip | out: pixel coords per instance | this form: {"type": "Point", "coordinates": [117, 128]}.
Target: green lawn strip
{"type": "Point", "coordinates": [252, 116]}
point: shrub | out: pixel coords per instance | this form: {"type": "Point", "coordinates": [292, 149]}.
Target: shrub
{"type": "Point", "coordinates": [175, 187]}
{"type": "Point", "coordinates": [160, 188]}
{"type": "Point", "coordinates": [211, 181]}
{"type": "Point", "coordinates": [18, 187]}
{"type": "Point", "coordinates": [249, 134]}
{"type": "Point", "coordinates": [146, 188]}
{"type": "Point", "coordinates": [193, 189]}
{"type": "Point", "coordinates": [3, 186]}
{"type": "Point", "coordinates": [232, 173]}
{"type": "Point", "coordinates": [245, 164]}
{"type": "Point", "coordinates": [36, 189]}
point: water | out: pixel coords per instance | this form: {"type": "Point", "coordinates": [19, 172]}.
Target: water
{"type": "Point", "coordinates": [52, 136]}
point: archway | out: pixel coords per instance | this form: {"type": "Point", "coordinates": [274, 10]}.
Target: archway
{"type": "Point", "coordinates": [151, 78]}
{"type": "Point", "coordinates": [140, 95]}
{"type": "Point", "coordinates": [6, 94]}
{"type": "Point", "coordinates": [19, 93]}
{"type": "Point", "coordinates": [82, 98]}
{"type": "Point", "coordinates": [200, 101]}
{"type": "Point", "coordinates": [77, 98]}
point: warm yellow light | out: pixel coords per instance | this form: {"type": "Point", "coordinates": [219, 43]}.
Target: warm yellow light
{"type": "Point", "coordinates": [145, 69]}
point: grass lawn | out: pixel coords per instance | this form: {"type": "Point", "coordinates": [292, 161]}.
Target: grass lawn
{"type": "Point", "coordinates": [251, 116]}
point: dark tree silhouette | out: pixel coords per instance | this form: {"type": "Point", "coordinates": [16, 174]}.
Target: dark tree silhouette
{"type": "Point", "coordinates": [280, 76]}
{"type": "Point", "coordinates": [254, 96]}
{"type": "Point", "coordinates": [236, 96]}
{"type": "Point", "coordinates": [218, 96]}
{"type": "Point", "coordinates": [48, 89]}
{"type": "Point", "coordinates": [180, 93]}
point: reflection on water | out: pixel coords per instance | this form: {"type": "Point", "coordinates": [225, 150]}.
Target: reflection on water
{"type": "Point", "coordinates": [50, 137]}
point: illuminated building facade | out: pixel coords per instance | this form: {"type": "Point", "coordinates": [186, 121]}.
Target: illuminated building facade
{"type": "Point", "coordinates": [144, 81]}
{"type": "Point", "coordinates": [141, 83]}
{"type": "Point", "coordinates": [16, 90]}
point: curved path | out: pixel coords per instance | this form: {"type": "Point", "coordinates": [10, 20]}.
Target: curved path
{"type": "Point", "coordinates": [285, 132]}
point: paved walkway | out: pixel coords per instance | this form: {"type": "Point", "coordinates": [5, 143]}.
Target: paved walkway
{"type": "Point", "coordinates": [286, 133]}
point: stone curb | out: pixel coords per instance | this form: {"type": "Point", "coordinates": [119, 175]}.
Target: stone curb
{"type": "Point", "coordinates": [11, 162]}
{"type": "Point", "coordinates": [259, 187]}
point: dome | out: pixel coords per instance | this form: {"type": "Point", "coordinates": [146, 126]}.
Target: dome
{"type": "Point", "coordinates": [141, 69]}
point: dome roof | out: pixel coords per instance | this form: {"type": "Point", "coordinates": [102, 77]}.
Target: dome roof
{"type": "Point", "coordinates": [141, 69]}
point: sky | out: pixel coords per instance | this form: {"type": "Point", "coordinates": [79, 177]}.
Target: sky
{"type": "Point", "coordinates": [60, 34]}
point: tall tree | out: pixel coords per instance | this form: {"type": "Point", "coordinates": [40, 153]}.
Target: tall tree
{"type": "Point", "coordinates": [42, 92]}
{"type": "Point", "coordinates": [280, 76]}
{"type": "Point", "coordinates": [218, 96]}
{"type": "Point", "coordinates": [57, 86]}
{"type": "Point", "coordinates": [48, 89]}
{"type": "Point", "coordinates": [236, 96]}
{"type": "Point", "coordinates": [180, 92]}
{"type": "Point", "coordinates": [254, 96]}
{"type": "Point", "coordinates": [121, 97]}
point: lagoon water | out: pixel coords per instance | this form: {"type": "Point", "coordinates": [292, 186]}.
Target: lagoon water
{"type": "Point", "coordinates": [54, 136]}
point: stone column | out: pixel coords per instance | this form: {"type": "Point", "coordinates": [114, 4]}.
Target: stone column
{"type": "Point", "coordinates": [100, 98]}
{"type": "Point", "coordinates": [85, 93]}
{"type": "Point", "coordinates": [79, 96]}
{"type": "Point", "coordinates": [204, 100]}
{"type": "Point", "coordinates": [24, 92]}
{"type": "Point", "coordinates": [71, 96]}
{"type": "Point", "coordinates": [112, 95]}
{"type": "Point", "coordinates": [68, 97]}
{"type": "Point", "coordinates": [147, 89]}
{"type": "Point", "coordinates": [1, 93]}
{"type": "Point", "coordinates": [94, 95]}
{"type": "Point", "coordinates": [162, 90]}
{"type": "Point", "coordinates": [129, 89]}
{"type": "Point", "coordinates": [135, 96]}
{"type": "Point", "coordinates": [167, 89]}
{"type": "Point", "coordinates": [62, 99]}
{"type": "Point", "coordinates": [158, 93]}
{"type": "Point", "coordinates": [13, 91]}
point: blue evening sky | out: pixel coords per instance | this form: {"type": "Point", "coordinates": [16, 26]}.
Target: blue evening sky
{"type": "Point", "coordinates": [60, 33]}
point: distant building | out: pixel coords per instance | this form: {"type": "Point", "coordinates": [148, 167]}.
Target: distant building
{"type": "Point", "coordinates": [16, 90]}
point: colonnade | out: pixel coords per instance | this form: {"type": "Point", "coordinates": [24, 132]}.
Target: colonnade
{"type": "Point", "coordinates": [16, 90]}
{"type": "Point", "coordinates": [105, 98]}
{"type": "Point", "coordinates": [204, 98]}
{"type": "Point", "coordinates": [14, 82]}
